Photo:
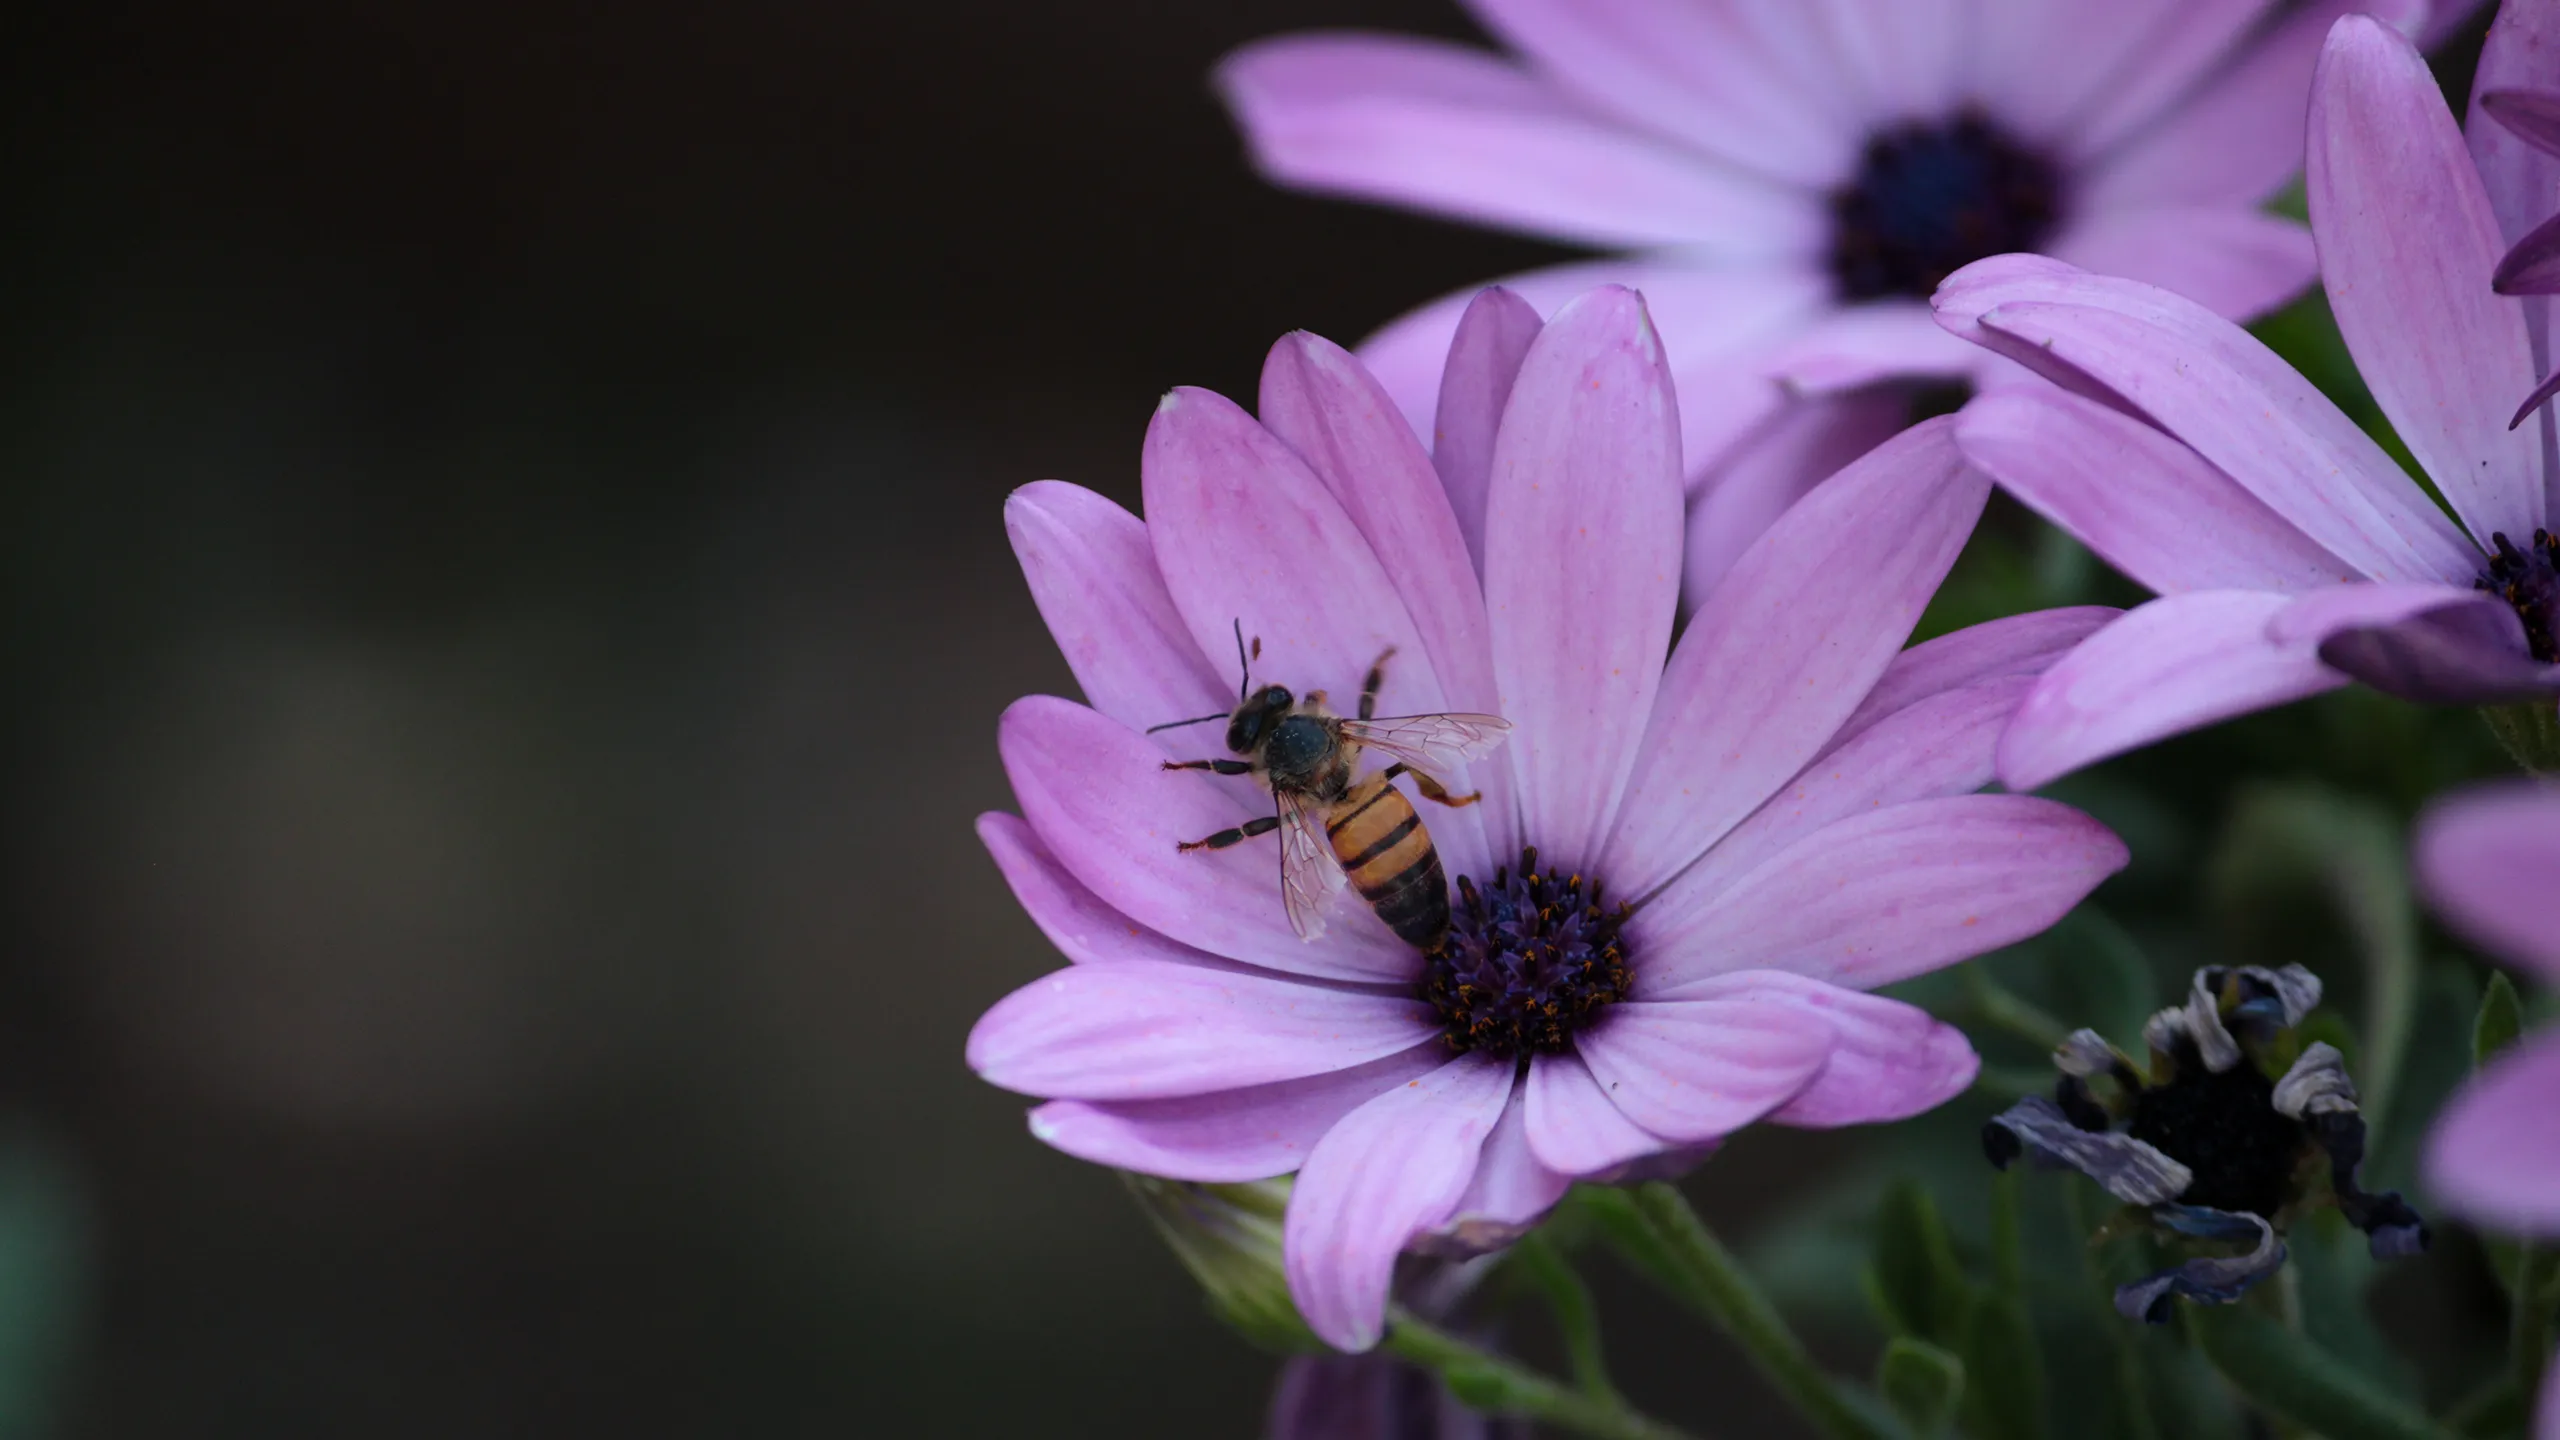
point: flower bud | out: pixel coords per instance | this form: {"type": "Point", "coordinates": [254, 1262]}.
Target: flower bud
{"type": "Point", "coordinates": [1228, 1237]}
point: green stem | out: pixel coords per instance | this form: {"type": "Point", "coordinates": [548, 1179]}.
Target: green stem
{"type": "Point", "coordinates": [2531, 733]}
{"type": "Point", "coordinates": [2136, 1396]}
{"type": "Point", "coordinates": [1654, 1228]}
{"type": "Point", "coordinates": [2529, 1309]}
{"type": "Point", "coordinates": [1569, 1301]}
{"type": "Point", "coordinates": [2294, 1380]}
{"type": "Point", "coordinates": [2008, 1244]}
{"type": "Point", "coordinates": [2001, 1008]}
{"type": "Point", "coordinates": [1491, 1382]}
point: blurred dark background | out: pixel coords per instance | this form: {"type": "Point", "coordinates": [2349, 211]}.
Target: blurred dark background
{"type": "Point", "coordinates": [506, 612]}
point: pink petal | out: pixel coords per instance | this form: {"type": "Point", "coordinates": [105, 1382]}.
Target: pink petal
{"type": "Point", "coordinates": [2168, 667]}
{"type": "Point", "coordinates": [1485, 352]}
{"type": "Point", "coordinates": [1759, 479]}
{"type": "Point", "coordinates": [2533, 266]}
{"type": "Point", "coordinates": [1717, 322]}
{"type": "Point", "coordinates": [1899, 62]}
{"type": "Point", "coordinates": [2534, 115]}
{"type": "Point", "coordinates": [1704, 75]}
{"type": "Point", "coordinates": [2013, 645]}
{"type": "Point", "coordinates": [1085, 930]}
{"type": "Point", "coordinates": [1093, 575]}
{"type": "Point", "coordinates": [1697, 1070]}
{"type": "Point", "coordinates": [2192, 40]}
{"type": "Point", "coordinates": [1454, 130]}
{"type": "Point", "coordinates": [2434, 644]}
{"type": "Point", "coordinates": [2521, 177]}
{"type": "Point", "coordinates": [1319, 400]}
{"type": "Point", "coordinates": [2236, 263]}
{"type": "Point", "coordinates": [2494, 1154]}
{"type": "Point", "coordinates": [1574, 1126]}
{"type": "Point", "coordinates": [2237, 139]}
{"type": "Point", "coordinates": [1244, 531]}
{"type": "Point", "coordinates": [1889, 1060]}
{"type": "Point", "coordinates": [1888, 894]}
{"type": "Point", "coordinates": [1582, 563]}
{"type": "Point", "coordinates": [2407, 246]}
{"type": "Point", "coordinates": [1782, 652]}
{"type": "Point", "coordinates": [1940, 745]}
{"type": "Point", "coordinates": [2489, 861]}
{"type": "Point", "coordinates": [1230, 1136]}
{"type": "Point", "coordinates": [1143, 1030]}
{"type": "Point", "coordinates": [1096, 792]}
{"type": "Point", "coordinates": [2039, 64]}
{"type": "Point", "coordinates": [2214, 386]}
{"type": "Point", "coordinates": [1864, 344]}
{"type": "Point", "coordinates": [1510, 1192]}
{"type": "Point", "coordinates": [1392, 1169]}
{"type": "Point", "coordinates": [2148, 505]}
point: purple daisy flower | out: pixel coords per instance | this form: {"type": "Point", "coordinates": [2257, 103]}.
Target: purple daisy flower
{"type": "Point", "coordinates": [1792, 180]}
{"type": "Point", "coordinates": [2489, 861]}
{"type": "Point", "coordinates": [2292, 552]}
{"type": "Point", "coordinates": [1739, 834]}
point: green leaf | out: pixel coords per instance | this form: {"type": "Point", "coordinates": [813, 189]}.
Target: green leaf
{"type": "Point", "coordinates": [2006, 1399]}
{"type": "Point", "coordinates": [1921, 1382]}
{"type": "Point", "coordinates": [1919, 1288]}
{"type": "Point", "coordinates": [2501, 1019]}
{"type": "Point", "coordinates": [2296, 1381]}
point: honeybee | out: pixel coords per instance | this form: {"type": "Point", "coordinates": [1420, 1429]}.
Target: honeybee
{"type": "Point", "coordinates": [1334, 824]}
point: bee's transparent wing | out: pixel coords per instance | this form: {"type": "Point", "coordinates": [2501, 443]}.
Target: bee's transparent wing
{"type": "Point", "coordinates": [1309, 875]}
{"type": "Point", "coordinates": [1432, 742]}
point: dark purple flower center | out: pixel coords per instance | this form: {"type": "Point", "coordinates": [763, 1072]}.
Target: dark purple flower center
{"type": "Point", "coordinates": [2226, 1129]}
{"type": "Point", "coordinates": [1931, 199]}
{"type": "Point", "coordinates": [2530, 581]}
{"type": "Point", "coordinates": [1527, 961]}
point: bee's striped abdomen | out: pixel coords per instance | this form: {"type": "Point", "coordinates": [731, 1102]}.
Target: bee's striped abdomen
{"type": "Point", "coordinates": [1389, 857]}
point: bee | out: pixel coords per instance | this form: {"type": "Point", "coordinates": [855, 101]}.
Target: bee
{"type": "Point", "coordinates": [1336, 825]}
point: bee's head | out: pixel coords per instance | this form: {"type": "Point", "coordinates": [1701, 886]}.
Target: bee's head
{"type": "Point", "coordinates": [1255, 717]}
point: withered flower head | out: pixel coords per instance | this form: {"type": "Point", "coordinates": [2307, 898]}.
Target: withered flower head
{"type": "Point", "coordinates": [2237, 1127]}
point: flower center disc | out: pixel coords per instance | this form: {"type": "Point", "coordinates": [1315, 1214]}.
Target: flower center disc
{"type": "Point", "coordinates": [1932, 199]}
{"type": "Point", "coordinates": [2227, 1130]}
{"type": "Point", "coordinates": [2529, 580]}
{"type": "Point", "coordinates": [1527, 961]}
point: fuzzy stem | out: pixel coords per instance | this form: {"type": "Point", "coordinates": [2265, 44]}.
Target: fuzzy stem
{"type": "Point", "coordinates": [2001, 1008]}
{"type": "Point", "coordinates": [2136, 1396]}
{"type": "Point", "coordinates": [1654, 1229]}
{"type": "Point", "coordinates": [1569, 1301]}
{"type": "Point", "coordinates": [1491, 1382]}
{"type": "Point", "coordinates": [2291, 1379]}
{"type": "Point", "coordinates": [2529, 1335]}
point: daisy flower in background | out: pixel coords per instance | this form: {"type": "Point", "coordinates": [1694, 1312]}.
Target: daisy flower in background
{"type": "Point", "coordinates": [2490, 861]}
{"type": "Point", "coordinates": [1790, 179]}
{"type": "Point", "coordinates": [1689, 863]}
{"type": "Point", "coordinates": [2292, 552]}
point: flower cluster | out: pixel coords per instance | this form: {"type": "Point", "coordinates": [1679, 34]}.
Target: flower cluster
{"type": "Point", "coordinates": [1644, 795]}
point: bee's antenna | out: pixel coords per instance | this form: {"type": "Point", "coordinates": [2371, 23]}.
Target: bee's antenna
{"type": "Point", "coordinates": [1244, 663]}
{"type": "Point", "coordinates": [1194, 720]}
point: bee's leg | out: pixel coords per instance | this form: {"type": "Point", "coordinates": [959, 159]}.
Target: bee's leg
{"type": "Point", "coordinates": [1214, 767]}
{"type": "Point", "coordinates": [1431, 789]}
{"type": "Point", "coordinates": [1258, 825]}
{"type": "Point", "coordinates": [1377, 678]}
